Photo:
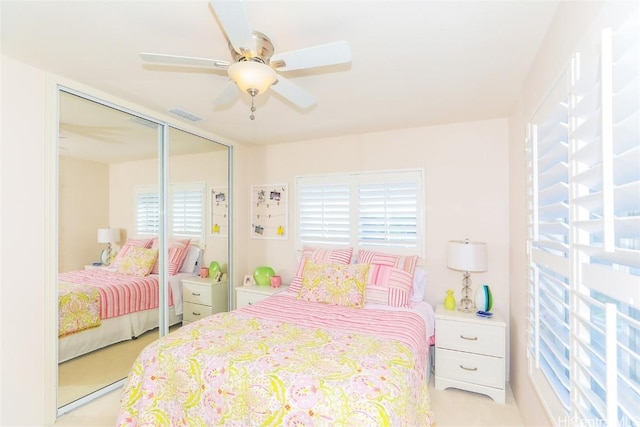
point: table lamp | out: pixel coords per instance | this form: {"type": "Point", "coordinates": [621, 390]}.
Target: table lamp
{"type": "Point", "coordinates": [469, 257]}
{"type": "Point", "coordinates": [108, 236]}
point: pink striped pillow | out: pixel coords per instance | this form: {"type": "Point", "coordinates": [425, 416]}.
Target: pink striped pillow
{"type": "Point", "coordinates": [142, 243]}
{"type": "Point", "coordinates": [389, 286]}
{"type": "Point", "coordinates": [390, 278]}
{"type": "Point", "coordinates": [406, 263]}
{"type": "Point", "coordinates": [177, 253]}
{"type": "Point", "coordinates": [329, 256]}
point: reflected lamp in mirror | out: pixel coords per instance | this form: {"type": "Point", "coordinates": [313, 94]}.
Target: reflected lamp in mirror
{"type": "Point", "coordinates": [469, 257]}
{"type": "Point", "coordinates": [108, 236]}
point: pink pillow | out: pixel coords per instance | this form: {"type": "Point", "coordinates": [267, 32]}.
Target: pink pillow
{"type": "Point", "coordinates": [406, 263]}
{"type": "Point", "coordinates": [143, 243]}
{"type": "Point", "coordinates": [388, 286]}
{"type": "Point", "coordinates": [333, 256]}
{"type": "Point", "coordinates": [177, 253]}
{"type": "Point", "coordinates": [390, 278]}
{"type": "Point", "coordinates": [338, 284]}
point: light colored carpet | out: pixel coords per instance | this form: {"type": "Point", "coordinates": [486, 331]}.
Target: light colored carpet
{"type": "Point", "coordinates": [85, 374]}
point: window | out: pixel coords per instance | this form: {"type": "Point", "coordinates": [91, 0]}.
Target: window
{"type": "Point", "coordinates": [373, 210]}
{"type": "Point", "coordinates": [185, 208]}
{"type": "Point", "coordinates": [584, 216]}
{"type": "Point", "coordinates": [147, 211]}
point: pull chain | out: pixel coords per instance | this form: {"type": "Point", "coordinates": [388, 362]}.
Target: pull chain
{"type": "Point", "coordinates": [253, 109]}
{"type": "Point", "coordinates": [253, 93]}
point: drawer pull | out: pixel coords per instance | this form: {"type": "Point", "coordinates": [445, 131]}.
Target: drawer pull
{"type": "Point", "coordinates": [195, 294]}
{"type": "Point", "coordinates": [468, 338]}
{"type": "Point", "coordinates": [195, 314]}
{"type": "Point", "coordinates": [468, 369]}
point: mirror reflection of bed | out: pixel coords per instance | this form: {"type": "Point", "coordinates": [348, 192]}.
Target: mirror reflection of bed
{"type": "Point", "coordinates": [110, 307]}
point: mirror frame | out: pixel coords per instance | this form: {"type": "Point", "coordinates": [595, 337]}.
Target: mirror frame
{"type": "Point", "coordinates": [52, 167]}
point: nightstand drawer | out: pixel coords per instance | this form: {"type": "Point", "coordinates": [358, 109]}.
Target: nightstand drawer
{"type": "Point", "coordinates": [192, 312]}
{"type": "Point", "coordinates": [470, 368]}
{"type": "Point", "coordinates": [245, 298]}
{"type": "Point", "coordinates": [198, 294]}
{"type": "Point", "coordinates": [470, 337]}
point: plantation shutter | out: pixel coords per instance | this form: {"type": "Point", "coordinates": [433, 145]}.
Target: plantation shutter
{"type": "Point", "coordinates": [378, 209]}
{"type": "Point", "coordinates": [607, 223]}
{"type": "Point", "coordinates": [187, 210]}
{"type": "Point", "coordinates": [584, 295]}
{"type": "Point", "coordinates": [147, 211]}
{"type": "Point", "coordinates": [549, 291]}
{"type": "Point", "coordinates": [323, 212]}
{"type": "Point", "coordinates": [388, 213]}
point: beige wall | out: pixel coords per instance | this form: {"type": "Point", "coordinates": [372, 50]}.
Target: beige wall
{"type": "Point", "coordinates": [466, 193]}
{"type": "Point", "coordinates": [570, 22]}
{"type": "Point", "coordinates": [83, 208]}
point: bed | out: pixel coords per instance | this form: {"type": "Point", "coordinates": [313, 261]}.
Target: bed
{"type": "Point", "coordinates": [104, 305]}
{"type": "Point", "coordinates": [311, 355]}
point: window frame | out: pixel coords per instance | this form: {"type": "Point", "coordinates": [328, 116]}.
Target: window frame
{"type": "Point", "coordinates": [152, 190]}
{"type": "Point", "coordinates": [340, 216]}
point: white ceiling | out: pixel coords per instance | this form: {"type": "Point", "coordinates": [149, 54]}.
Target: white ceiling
{"type": "Point", "coordinates": [415, 63]}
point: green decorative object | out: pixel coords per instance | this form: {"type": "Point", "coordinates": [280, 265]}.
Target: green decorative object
{"type": "Point", "coordinates": [214, 267]}
{"type": "Point", "coordinates": [450, 301]}
{"type": "Point", "coordinates": [262, 275]}
{"type": "Point", "coordinates": [484, 298]}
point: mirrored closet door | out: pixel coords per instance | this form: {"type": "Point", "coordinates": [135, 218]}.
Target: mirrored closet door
{"type": "Point", "coordinates": [117, 173]}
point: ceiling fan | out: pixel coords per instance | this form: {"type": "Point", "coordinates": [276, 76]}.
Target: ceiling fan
{"type": "Point", "coordinates": [254, 67]}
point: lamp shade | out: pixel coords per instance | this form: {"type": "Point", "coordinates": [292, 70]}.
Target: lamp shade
{"type": "Point", "coordinates": [464, 255]}
{"type": "Point", "coordinates": [252, 75]}
{"type": "Point", "coordinates": [108, 235]}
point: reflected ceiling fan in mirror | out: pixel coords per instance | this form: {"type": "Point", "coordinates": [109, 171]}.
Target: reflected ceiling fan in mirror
{"type": "Point", "coordinates": [255, 68]}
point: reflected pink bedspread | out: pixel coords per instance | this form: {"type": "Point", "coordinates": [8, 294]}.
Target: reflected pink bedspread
{"type": "Point", "coordinates": [120, 294]}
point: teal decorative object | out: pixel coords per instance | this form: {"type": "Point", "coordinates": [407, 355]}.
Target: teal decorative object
{"type": "Point", "coordinates": [484, 298]}
{"type": "Point", "coordinates": [449, 300]}
{"type": "Point", "coordinates": [214, 267]}
{"type": "Point", "coordinates": [262, 275]}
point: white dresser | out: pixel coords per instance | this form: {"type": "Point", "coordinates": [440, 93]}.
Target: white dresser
{"type": "Point", "coordinates": [202, 297]}
{"type": "Point", "coordinates": [470, 353]}
{"type": "Point", "coordinates": [247, 295]}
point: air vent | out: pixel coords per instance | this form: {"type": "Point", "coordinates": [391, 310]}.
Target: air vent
{"type": "Point", "coordinates": [185, 114]}
{"type": "Point", "coordinates": [144, 122]}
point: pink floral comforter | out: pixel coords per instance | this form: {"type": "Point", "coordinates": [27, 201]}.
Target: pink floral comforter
{"type": "Point", "coordinates": [284, 362]}
{"type": "Point", "coordinates": [78, 308]}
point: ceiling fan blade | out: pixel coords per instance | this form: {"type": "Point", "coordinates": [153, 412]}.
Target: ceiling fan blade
{"type": "Point", "coordinates": [235, 24]}
{"type": "Point", "coordinates": [316, 56]}
{"type": "Point", "coordinates": [162, 58]}
{"type": "Point", "coordinates": [293, 93]}
{"type": "Point", "coordinates": [227, 95]}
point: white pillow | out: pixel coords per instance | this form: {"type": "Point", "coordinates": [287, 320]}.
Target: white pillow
{"type": "Point", "coordinates": [192, 261]}
{"type": "Point", "coordinates": [419, 284]}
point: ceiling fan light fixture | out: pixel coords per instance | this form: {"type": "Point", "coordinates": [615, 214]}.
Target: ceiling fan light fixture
{"type": "Point", "coordinates": [252, 77]}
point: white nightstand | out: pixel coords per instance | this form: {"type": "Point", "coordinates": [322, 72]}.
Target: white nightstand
{"type": "Point", "coordinates": [470, 352]}
{"type": "Point", "coordinates": [247, 295]}
{"type": "Point", "coordinates": [203, 297]}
